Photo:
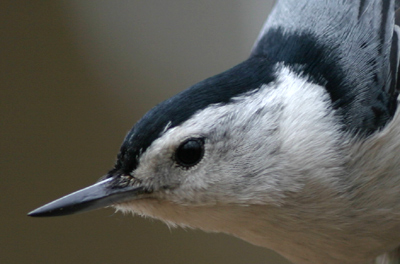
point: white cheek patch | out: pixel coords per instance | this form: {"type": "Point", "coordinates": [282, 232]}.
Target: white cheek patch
{"type": "Point", "coordinates": [285, 126]}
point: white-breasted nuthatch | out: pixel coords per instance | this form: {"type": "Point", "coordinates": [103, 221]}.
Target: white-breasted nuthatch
{"type": "Point", "coordinates": [296, 149]}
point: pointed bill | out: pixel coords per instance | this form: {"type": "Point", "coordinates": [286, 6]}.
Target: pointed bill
{"type": "Point", "coordinates": [96, 196]}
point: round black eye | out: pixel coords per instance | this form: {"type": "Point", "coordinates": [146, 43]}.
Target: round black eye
{"type": "Point", "coordinates": [190, 152]}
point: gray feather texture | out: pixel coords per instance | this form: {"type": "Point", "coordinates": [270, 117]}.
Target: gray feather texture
{"type": "Point", "coordinates": [347, 26]}
{"type": "Point", "coordinates": [359, 36]}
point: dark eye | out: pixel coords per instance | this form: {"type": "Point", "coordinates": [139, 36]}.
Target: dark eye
{"type": "Point", "coordinates": [190, 152]}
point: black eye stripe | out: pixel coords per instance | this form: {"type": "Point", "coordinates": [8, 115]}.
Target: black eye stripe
{"type": "Point", "coordinates": [190, 152]}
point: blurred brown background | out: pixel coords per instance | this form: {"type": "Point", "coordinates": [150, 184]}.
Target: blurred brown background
{"type": "Point", "coordinates": [75, 76]}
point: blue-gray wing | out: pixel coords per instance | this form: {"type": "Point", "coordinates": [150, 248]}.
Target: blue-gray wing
{"type": "Point", "coordinates": [350, 47]}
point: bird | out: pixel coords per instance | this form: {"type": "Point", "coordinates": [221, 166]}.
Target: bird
{"type": "Point", "coordinates": [295, 149]}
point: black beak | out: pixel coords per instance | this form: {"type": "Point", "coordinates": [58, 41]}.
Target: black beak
{"type": "Point", "coordinates": [99, 195]}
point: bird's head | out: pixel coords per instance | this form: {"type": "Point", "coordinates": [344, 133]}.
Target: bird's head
{"type": "Point", "coordinates": [270, 131]}
{"type": "Point", "coordinates": [263, 150]}
{"type": "Point", "coordinates": [211, 147]}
